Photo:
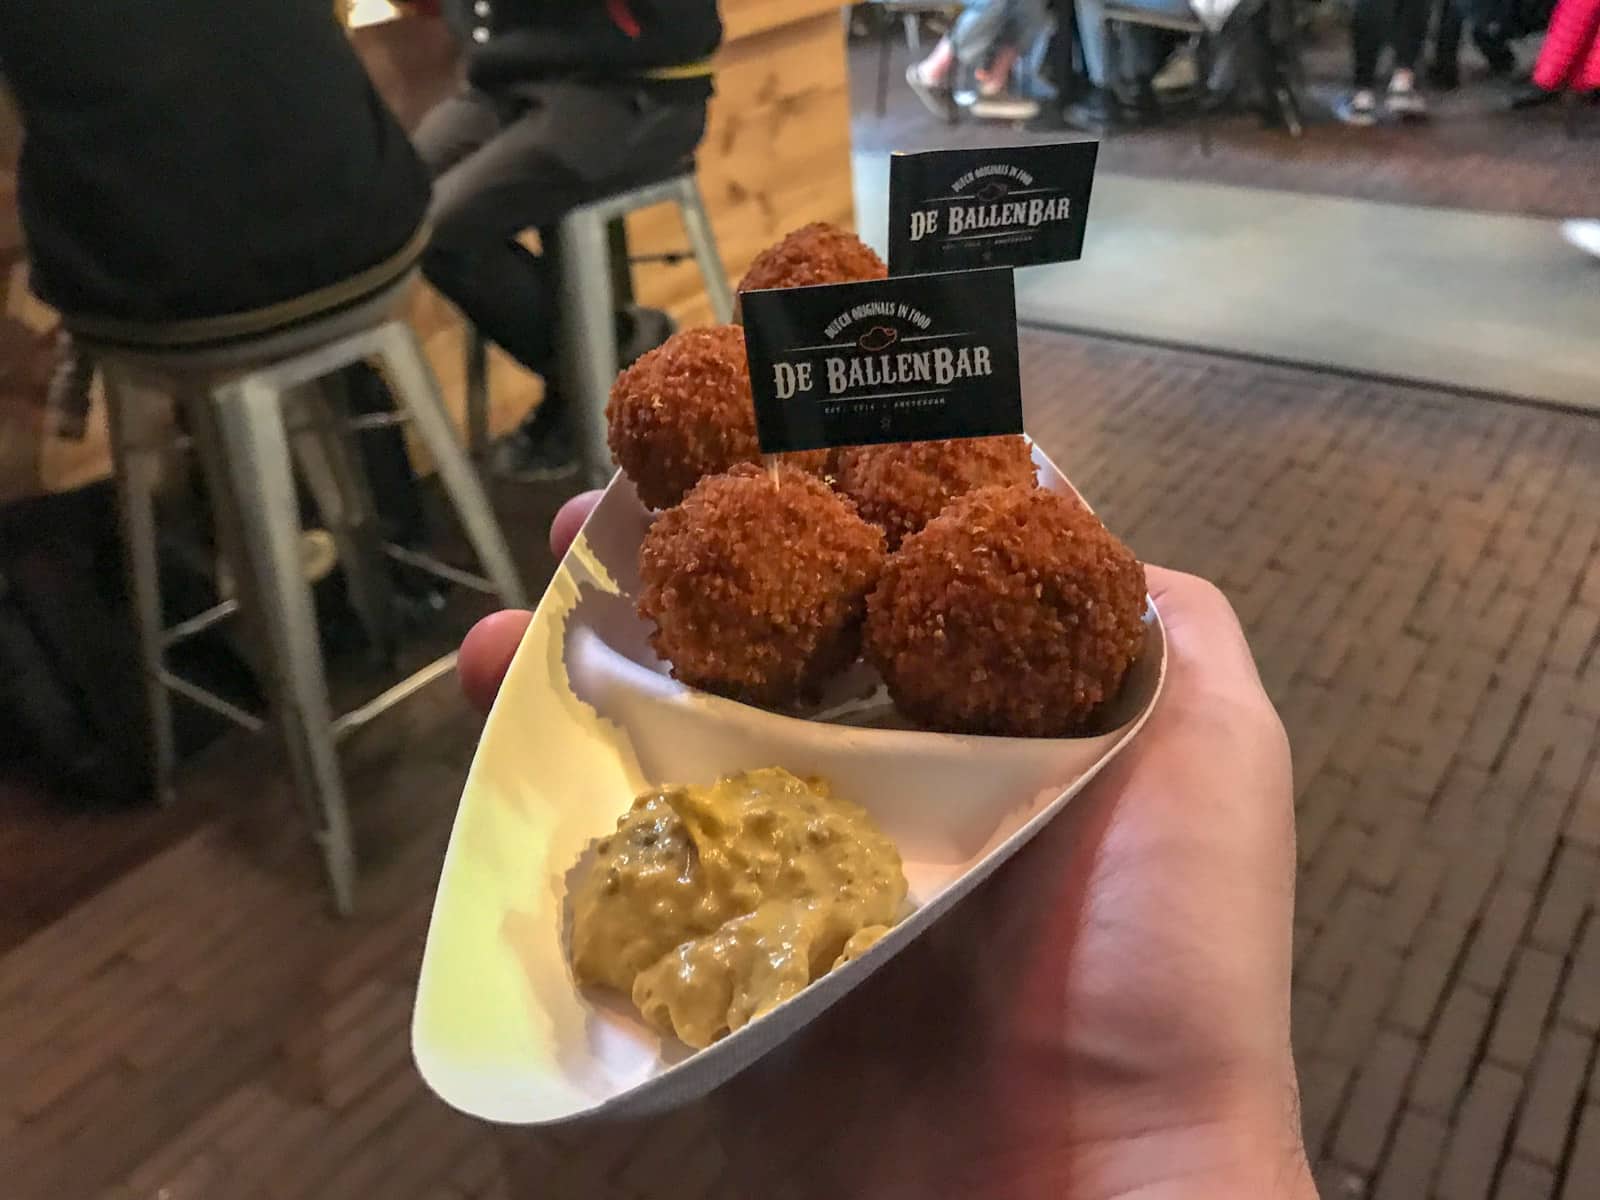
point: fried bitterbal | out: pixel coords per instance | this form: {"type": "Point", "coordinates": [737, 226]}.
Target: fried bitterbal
{"type": "Point", "coordinates": [684, 411]}
{"type": "Point", "coordinates": [757, 584]}
{"type": "Point", "coordinates": [902, 486]}
{"type": "Point", "coordinates": [1013, 612]}
{"type": "Point", "coordinates": [815, 253]}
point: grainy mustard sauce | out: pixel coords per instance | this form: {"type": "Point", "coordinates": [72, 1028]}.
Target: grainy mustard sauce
{"type": "Point", "coordinates": [710, 906]}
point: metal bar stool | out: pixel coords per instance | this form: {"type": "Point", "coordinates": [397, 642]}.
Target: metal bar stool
{"type": "Point", "coordinates": [258, 405]}
{"type": "Point", "coordinates": [587, 345]}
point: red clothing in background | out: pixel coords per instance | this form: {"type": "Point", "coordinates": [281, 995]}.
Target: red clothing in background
{"type": "Point", "coordinates": [1570, 60]}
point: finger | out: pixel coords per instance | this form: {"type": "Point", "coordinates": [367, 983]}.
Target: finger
{"type": "Point", "coordinates": [486, 654]}
{"type": "Point", "coordinates": [564, 529]}
{"type": "Point", "coordinates": [1202, 628]}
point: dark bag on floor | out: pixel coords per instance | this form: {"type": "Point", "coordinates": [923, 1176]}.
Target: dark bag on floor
{"type": "Point", "coordinates": [71, 691]}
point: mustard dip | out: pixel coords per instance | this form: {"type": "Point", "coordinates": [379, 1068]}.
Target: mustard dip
{"type": "Point", "coordinates": [710, 906]}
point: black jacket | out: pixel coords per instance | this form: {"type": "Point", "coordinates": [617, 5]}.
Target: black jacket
{"type": "Point", "coordinates": [187, 159]}
{"type": "Point", "coordinates": [517, 41]}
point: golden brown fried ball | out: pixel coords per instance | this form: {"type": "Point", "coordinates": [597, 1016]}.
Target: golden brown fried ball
{"type": "Point", "coordinates": [901, 487]}
{"type": "Point", "coordinates": [815, 253]}
{"type": "Point", "coordinates": [757, 584]}
{"type": "Point", "coordinates": [1013, 612]}
{"type": "Point", "coordinates": [684, 411]}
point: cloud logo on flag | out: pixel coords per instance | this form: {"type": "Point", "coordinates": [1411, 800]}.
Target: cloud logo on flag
{"type": "Point", "coordinates": [879, 337]}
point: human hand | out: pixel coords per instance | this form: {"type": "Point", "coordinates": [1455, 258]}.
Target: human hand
{"type": "Point", "coordinates": [1108, 1016]}
{"type": "Point", "coordinates": [487, 650]}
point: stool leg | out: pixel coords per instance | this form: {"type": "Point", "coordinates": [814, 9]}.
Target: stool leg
{"type": "Point", "coordinates": [245, 452]}
{"type": "Point", "coordinates": [339, 487]}
{"type": "Point", "coordinates": [477, 393]}
{"type": "Point", "coordinates": [137, 467]}
{"type": "Point", "coordinates": [704, 243]}
{"type": "Point", "coordinates": [588, 358]}
{"type": "Point", "coordinates": [883, 68]}
{"type": "Point", "coordinates": [417, 392]}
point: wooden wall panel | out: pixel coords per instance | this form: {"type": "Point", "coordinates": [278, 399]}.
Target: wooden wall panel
{"type": "Point", "coordinates": [776, 156]}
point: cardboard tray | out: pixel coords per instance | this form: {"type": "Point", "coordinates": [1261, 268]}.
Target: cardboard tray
{"type": "Point", "coordinates": [588, 718]}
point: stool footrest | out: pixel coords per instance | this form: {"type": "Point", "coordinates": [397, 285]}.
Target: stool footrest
{"type": "Point", "coordinates": [440, 570]}
{"type": "Point", "coordinates": [212, 701]}
{"type": "Point", "coordinates": [377, 420]}
{"type": "Point", "coordinates": [390, 696]}
{"type": "Point", "coordinates": [199, 623]}
{"type": "Point", "coordinates": [342, 726]}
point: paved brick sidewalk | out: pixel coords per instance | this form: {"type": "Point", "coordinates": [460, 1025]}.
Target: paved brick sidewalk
{"type": "Point", "coordinates": [1421, 580]}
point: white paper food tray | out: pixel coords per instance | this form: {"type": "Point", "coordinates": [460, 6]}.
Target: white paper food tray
{"type": "Point", "coordinates": [587, 719]}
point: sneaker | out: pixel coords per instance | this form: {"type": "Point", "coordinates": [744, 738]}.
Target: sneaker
{"type": "Point", "coordinates": [539, 450]}
{"type": "Point", "coordinates": [1403, 100]}
{"type": "Point", "coordinates": [935, 97]}
{"type": "Point", "coordinates": [1359, 108]}
{"type": "Point", "coordinates": [1585, 235]}
{"type": "Point", "coordinates": [1097, 111]}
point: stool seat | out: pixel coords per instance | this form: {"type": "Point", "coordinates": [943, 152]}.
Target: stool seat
{"type": "Point", "coordinates": [358, 302]}
{"type": "Point", "coordinates": [627, 183]}
{"type": "Point", "coordinates": [243, 353]}
{"type": "Point", "coordinates": [585, 332]}
{"type": "Point", "coordinates": [261, 401]}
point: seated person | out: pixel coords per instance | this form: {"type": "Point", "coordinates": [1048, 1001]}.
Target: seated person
{"type": "Point", "coordinates": [183, 162]}
{"type": "Point", "coordinates": [186, 161]}
{"type": "Point", "coordinates": [564, 101]}
{"type": "Point", "coordinates": [988, 38]}
{"type": "Point", "coordinates": [1121, 61]}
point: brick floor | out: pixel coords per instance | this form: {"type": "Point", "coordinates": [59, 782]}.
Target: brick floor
{"type": "Point", "coordinates": [1420, 577]}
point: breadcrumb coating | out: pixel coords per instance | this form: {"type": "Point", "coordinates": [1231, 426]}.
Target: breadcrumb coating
{"type": "Point", "coordinates": [814, 253]}
{"type": "Point", "coordinates": [901, 487]}
{"type": "Point", "coordinates": [757, 584]}
{"type": "Point", "coordinates": [1014, 612]}
{"type": "Point", "coordinates": [684, 411]}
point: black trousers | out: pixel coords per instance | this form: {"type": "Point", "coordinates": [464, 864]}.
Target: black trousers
{"type": "Point", "coordinates": [504, 164]}
{"type": "Point", "coordinates": [1399, 23]}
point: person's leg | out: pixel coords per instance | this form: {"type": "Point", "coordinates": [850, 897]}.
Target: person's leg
{"type": "Point", "coordinates": [1492, 22]}
{"type": "Point", "coordinates": [480, 206]}
{"type": "Point", "coordinates": [1369, 28]}
{"type": "Point", "coordinates": [994, 76]}
{"type": "Point", "coordinates": [454, 128]}
{"type": "Point", "coordinates": [934, 71]}
{"type": "Point", "coordinates": [1410, 31]}
{"type": "Point", "coordinates": [977, 32]}
{"type": "Point", "coordinates": [560, 146]}
{"type": "Point", "coordinates": [1104, 50]}
{"type": "Point", "coordinates": [1445, 70]}
{"type": "Point", "coordinates": [1026, 21]}
{"type": "Point", "coordinates": [1092, 39]}
{"type": "Point", "coordinates": [564, 146]}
